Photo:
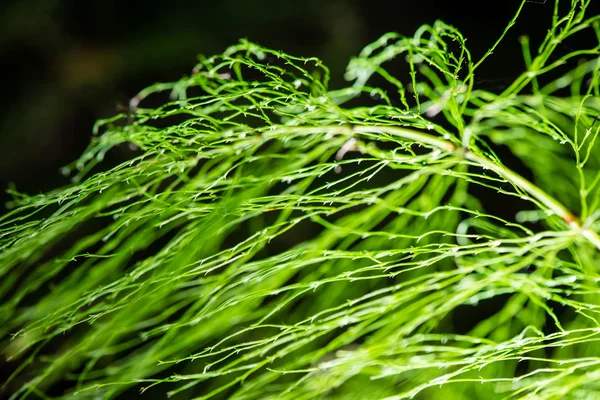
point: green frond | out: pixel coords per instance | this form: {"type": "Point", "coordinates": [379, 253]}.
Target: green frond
{"type": "Point", "coordinates": [277, 239]}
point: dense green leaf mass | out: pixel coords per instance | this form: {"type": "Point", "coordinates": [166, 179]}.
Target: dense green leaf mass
{"type": "Point", "coordinates": [276, 239]}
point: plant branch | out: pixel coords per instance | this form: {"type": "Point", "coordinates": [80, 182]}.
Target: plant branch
{"type": "Point", "coordinates": [536, 192]}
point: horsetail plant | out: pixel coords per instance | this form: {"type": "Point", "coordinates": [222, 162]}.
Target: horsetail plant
{"type": "Point", "coordinates": [275, 239]}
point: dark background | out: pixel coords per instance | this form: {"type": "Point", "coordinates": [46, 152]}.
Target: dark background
{"type": "Point", "coordinates": [68, 63]}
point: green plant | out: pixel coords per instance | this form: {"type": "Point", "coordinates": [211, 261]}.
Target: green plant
{"type": "Point", "coordinates": [275, 240]}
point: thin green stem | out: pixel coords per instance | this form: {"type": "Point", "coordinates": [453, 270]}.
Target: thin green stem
{"type": "Point", "coordinates": [407, 134]}
{"type": "Point", "coordinates": [516, 179]}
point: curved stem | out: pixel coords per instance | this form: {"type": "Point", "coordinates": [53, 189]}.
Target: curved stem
{"type": "Point", "coordinates": [536, 192]}
{"type": "Point", "coordinates": [407, 134]}
{"type": "Point", "coordinates": [526, 186]}
{"type": "Point", "coordinates": [529, 187]}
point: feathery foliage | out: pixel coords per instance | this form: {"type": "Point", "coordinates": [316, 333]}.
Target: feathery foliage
{"type": "Point", "coordinates": [278, 239]}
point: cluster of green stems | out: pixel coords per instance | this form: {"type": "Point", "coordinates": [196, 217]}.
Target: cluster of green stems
{"type": "Point", "coordinates": [552, 205]}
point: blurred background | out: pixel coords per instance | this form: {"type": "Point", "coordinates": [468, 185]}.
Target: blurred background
{"type": "Point", "coordinates": [69, 63]}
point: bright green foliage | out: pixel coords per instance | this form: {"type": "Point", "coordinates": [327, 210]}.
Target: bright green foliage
{"type": "Point", "coordinates": [278, 240]}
